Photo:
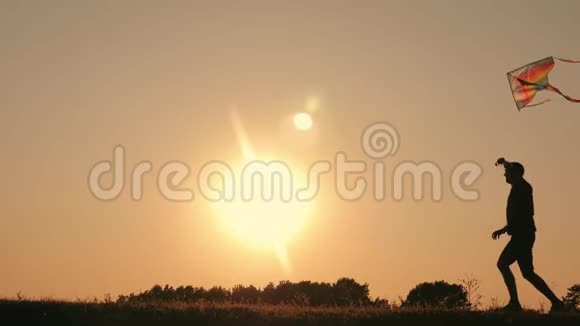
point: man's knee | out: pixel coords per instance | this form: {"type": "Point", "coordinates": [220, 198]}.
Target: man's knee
{"type": "Point", "coordinates": [502, 266]}
{"type": "Point", "coordinates": [529, 274]}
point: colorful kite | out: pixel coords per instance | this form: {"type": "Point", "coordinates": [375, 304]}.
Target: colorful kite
{"type": "Point", "coordinates": [532, 78]}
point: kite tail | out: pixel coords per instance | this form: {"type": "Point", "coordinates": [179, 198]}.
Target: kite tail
{"type": "Point", "coordinates": [569, 98]}
{"type": "Point", "coordinates": [569, 61]}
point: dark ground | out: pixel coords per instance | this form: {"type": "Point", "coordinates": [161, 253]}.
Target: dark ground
{"type": "Point", "coordinates": [15, 312]}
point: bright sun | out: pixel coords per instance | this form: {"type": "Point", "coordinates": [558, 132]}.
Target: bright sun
{"type": "Point", "coordinates": [259, 223]}
{"type": "Point", "coordinates": [264, 224]}
{"type": "Point", "coordinates": [302, 121]}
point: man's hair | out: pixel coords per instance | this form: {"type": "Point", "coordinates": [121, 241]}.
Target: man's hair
{"type": "Point", "coordinates": [516, 168]}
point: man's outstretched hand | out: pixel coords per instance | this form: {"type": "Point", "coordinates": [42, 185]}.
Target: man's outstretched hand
{"type": "Point", "coordinates": [497, 234]}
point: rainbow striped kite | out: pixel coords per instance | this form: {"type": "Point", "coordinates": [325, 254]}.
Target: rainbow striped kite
{"type": "Point", "coordinates": [532, 78]}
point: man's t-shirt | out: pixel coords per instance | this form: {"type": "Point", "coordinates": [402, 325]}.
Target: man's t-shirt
{"type": "Point", "coordinates": [520, 210]}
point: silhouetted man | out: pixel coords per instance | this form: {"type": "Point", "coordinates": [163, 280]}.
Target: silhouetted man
{"type": "Point", "coordinates": [521, 227]}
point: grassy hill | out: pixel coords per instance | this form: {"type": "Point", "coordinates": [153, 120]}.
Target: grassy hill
{"type": "Point", "coordinates": [30, 312]}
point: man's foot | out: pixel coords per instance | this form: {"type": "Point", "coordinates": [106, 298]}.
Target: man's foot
{"type": "Point", "coordinates": [559, 306]}
{"type": "Point", "coordinates": [512, 307]}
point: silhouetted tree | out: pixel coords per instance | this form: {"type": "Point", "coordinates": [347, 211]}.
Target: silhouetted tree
{"type": "Point", "coordinates": [317, 294]}
{"type": "Point", "coordinates": [438, 294]}
{"type": "Point", "coordinates": [572, 298]}
{"type": "Point", "coordinates": [242, 294]}
{"type": "Point", "coordinates": [218, 294]}
{"type": "Point", "coordinates": [348, 292]}
{"type": "Point", "coordinates": [268, 293]}
{"type": "Point", "coordinates": [287, 293]}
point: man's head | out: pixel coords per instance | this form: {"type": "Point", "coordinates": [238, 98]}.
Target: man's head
{"type": "Point", "coordinates": [514, 172]}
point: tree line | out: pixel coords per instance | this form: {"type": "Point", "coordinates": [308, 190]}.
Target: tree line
{"type": "Point", "coordinates": [343, 292]}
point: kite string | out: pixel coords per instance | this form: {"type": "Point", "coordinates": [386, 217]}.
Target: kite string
{"type": "Point", "coordinates": [566, 60]}
{"type": "Point", "coordinates": [555, 89]}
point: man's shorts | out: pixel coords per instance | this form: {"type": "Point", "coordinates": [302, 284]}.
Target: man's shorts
{"type": "Point", "coordinates": [519, 249]}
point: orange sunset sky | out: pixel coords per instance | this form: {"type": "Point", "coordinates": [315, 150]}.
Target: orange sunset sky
{"type": "Point", "coordinates": [162, 78]}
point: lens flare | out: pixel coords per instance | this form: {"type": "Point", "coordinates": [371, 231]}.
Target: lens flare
{"type": "Point", "coordinates": [302, 121]}
{"type": "Point", "coordinates": [258, 223]}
